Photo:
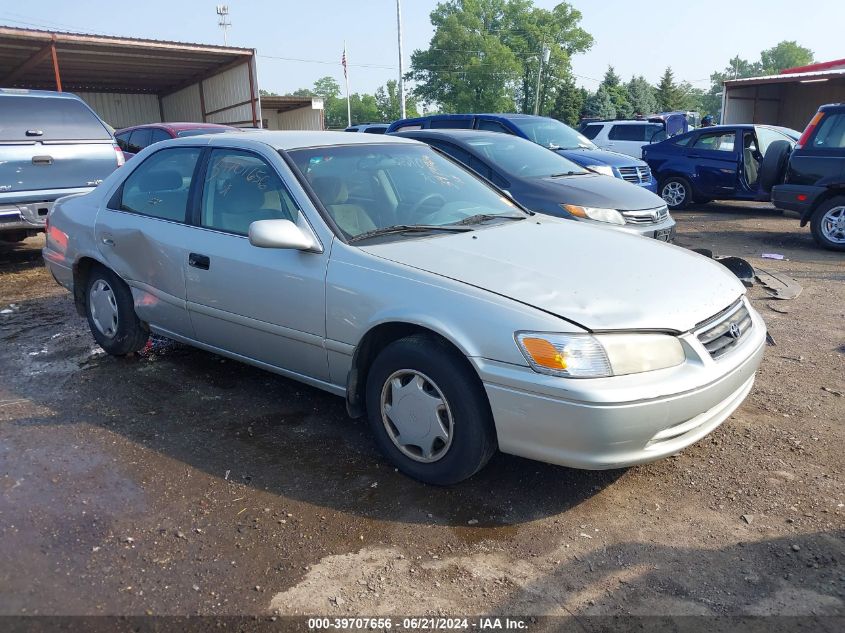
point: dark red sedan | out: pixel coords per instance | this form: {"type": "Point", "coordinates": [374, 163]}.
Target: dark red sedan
{"type": "Point", "coordinates": [133, 139]}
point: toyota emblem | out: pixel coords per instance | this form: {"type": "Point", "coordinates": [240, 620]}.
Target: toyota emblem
{"type": "Point", "coordinates": [734, 332]}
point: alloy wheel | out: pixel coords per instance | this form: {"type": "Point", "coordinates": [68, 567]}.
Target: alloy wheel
{"type": "Point", "coordinates": [103, 306]}
{"type": "Point", "coordinates": [833, 225]}
{"type": "Point", "coordinates": [674, 193]}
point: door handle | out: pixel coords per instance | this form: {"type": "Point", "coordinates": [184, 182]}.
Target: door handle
{"type": "Point", "coordinates": [199, 261]}
{"type": "Point", "coordinates": [108, 241]}
{"type": "Point", "coordinates": [42, 160]}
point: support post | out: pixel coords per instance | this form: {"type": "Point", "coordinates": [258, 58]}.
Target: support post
{"type": "Point", "coordinates": [251, 93]}
{"type": "Point", "coordinates": [56, 65]}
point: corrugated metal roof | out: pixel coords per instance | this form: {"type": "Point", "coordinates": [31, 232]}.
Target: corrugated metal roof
{"type": "Point", "coordinates": [100, 63]}
{"type": "Point", "coordinates": [790, 78]}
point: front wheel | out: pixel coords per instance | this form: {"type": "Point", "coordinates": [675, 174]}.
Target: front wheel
{"type": "Point", "coordinates": [111, 313]}
{"type": "Point", "coordinates": [676, 192]}
{"type": "Point", "coordinates": [828, 224]}
{"type": "Point", "coordinates": [428, 411]}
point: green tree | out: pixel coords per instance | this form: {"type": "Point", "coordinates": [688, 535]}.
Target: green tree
{"type": "Point", "coordinates": [669, 95]}
{"type": "Point", "coordinates": [327, 87]}
{"type": "Point", "coordinates": [267, 93]}
{"type": "Point", "coordinates": [485, 54]}
{"type": "Point", "coordinates": [641, 96]}
{"type": "Point", "coordinates": [387, 101]}
{"type": "Point", "coordinates": [568, 102]}
{"type": "Point", "coordinates": [786, 54]}
{"type": "Point", "coordinates": [611, 79]}
{"type": "Point", "coordinates": [600, 105]}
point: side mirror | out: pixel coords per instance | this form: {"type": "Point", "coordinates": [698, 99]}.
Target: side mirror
{"type": "Point", "coordinates": [280, 234]}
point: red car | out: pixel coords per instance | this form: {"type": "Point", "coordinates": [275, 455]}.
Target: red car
{"type": "Point", "coordinates": [133, 139]}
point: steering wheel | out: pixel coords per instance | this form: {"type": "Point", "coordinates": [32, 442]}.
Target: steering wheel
{"type": "Point", "coordinates": [422, 201]}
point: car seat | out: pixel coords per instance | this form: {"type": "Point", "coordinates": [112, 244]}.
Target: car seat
{"type": "Point", "coordinates": [351, 218]}
{"type": "Point", "coordinates": [238, 203]}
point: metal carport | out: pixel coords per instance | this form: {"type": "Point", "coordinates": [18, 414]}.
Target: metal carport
{"type": "Point", "coordinates": [132, 81]}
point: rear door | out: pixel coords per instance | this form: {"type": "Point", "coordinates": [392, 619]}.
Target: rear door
{"type": "Point", "coordinates": [716, 159]}
{"type": "Point", "coordinates": [143, 235]}
{"type": "Point", "coordinates": [51, 143]}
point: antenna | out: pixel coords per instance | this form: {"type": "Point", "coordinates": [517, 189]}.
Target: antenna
{"type": "Point", "coordinates": [223, 23]}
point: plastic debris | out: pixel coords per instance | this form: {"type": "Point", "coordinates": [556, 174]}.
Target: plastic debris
{"type": "Point", "coordinates": [772, 256]}
{"type": "Point", "coordinates": [778, 285]}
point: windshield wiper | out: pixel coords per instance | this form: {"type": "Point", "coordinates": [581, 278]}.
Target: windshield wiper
{"type": "Point", "coordinates": [407, 228]}
{"type": "Point", "coordinates": [567, 173]}
{"type": "Point", "coordinates": [478, 218]}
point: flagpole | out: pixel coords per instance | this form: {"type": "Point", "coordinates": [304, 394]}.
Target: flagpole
{"type": "Point", "coordinates": [401, 69]}
{"type": "Point", "coordinates": [346, 75]}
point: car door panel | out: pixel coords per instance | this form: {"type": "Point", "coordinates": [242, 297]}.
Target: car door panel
{"type": "Point", "coordinates": [142, 237]}
{"type": "Point", "coordinates": [716, 162]}
{"type": "Point", "coordinates": [263, 304]}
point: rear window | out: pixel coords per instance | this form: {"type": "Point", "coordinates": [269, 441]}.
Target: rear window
{"type": "Point", "coordinates": [592, 131]}
{"type": "Point", "coordinates": [24, 118]}
{"type": "Point", "coordinates": [638, 132]}
{"type": "Point", "coordinates": [831, 132]}
{"type": "Point", "coordinates": [375, 130]}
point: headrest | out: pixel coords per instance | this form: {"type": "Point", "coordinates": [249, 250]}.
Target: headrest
{"type": "Point", "coordinates": [330, 190]}
{"type": "Point", "coordinates": [239, 194]}
{"type": "Point", "coordinates": [160, 180]}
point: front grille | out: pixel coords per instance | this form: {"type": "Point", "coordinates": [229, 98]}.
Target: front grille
{"type": "Point", "coordinates": [640, 175]}
{"type": "Point", "coordinates": [646, 216]}
{"type": "Point", "coordinates": [726, 330]}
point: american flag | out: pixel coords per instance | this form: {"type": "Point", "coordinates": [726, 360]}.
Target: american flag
{"type": "Point", "coordinates": [343, 62]}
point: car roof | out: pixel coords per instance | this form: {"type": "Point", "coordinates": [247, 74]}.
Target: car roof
{"type": "Point", "coordinates": [178, 126]}
{"type": "Point", "coordinates": [290, 140]}
{"type": "Point", "coordinates": [461, 137]}
{"type": "Point", "coordinates": [24, 92]}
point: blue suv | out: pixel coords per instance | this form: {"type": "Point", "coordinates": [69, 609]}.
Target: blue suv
{"type": "Point", "coordinates": [544, 131]}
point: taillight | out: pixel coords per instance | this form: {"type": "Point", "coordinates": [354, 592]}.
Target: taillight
{"type": "Point", "coordinates": [808, 132]}
{"type": "Point", "coordinates": [121, 160]}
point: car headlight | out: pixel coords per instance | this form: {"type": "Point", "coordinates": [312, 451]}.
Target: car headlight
{"type": "Point", "coordinates": [598, 356]}
{"type": "Point", "coordinates": [604, 170]}
{"type": "Point", "coordinates": [611, 216]}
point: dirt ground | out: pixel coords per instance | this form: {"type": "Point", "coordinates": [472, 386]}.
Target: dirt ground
{"type": "Point", "coordinates": [177, 482]}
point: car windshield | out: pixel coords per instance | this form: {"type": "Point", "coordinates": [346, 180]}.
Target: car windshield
{"type": "Point", "coordinates": [518, 157]}
{"type": "Point", "coordinates": [371, 187]}
{"type": "Point", "coordinates": [202, 130]}
{"type": "Point", "coordinates": [553, 134]}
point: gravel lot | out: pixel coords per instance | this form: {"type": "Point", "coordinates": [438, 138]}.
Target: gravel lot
{"type": "Point", "coordinates": [177, 482]}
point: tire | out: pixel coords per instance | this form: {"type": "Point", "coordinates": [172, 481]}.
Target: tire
{"type": "Point", "coordinates": [773, 167]}
{"type": "Point", "coordinates": [434, 372]}
{"type": "Point", "coordinates": [671, 191]}
{"type": "Point", "coordinates": [828, 224]}
{"type": "Point", "coordinates": [111, 313]}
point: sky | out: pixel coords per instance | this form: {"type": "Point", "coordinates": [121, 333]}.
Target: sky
{"type": "Point", "coordinates": [694, 38]}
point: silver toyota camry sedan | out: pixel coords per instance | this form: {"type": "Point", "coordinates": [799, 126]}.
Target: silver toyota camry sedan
{"type": "Point", "coordinates": [383, 272]}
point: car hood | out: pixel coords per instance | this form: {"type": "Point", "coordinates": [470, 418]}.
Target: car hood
{"type": "Point", "coordinates": [595, 190]}
{"type": "Point", "coordinates": [585, 157]}
{"type": "Point", "coordinates": [598, 278]}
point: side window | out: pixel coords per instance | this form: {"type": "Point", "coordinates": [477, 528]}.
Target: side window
{"type": "Point", "coordinates": [627, 133]}
{"type": "Point", "coordinates": [159, 186]}
{"type": "Point", "coordinates": [480, 168]}
{"type": "Point", "coordinates": [831, 132]}
{"type": "Point", "coordinates": [592, 131]}
{"type": "Point", "coordinates": [157, 134]}
{"type": "Point", "coordinates": [455, 152]}
{"type": "Point", "coordinates": [138, 140]}
{"type": "Point", "coordinates": [766, 137]}
{"type": "Point", "coordinates": [716, 141]}
{"type": "Point", "coordinates": [123, 140]}
{"type": "Point", "coordinates": [451, 124]}
{"type": "Point", "coordinates": [241, 188]}
{"type": "Point", "coordinates": [681, 141]}
{"type": "Point", "coordinates": [492, 126]}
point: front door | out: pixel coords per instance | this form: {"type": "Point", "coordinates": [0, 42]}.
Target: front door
{"type": "Point", "coordinates": [142, 235]}
{"type": "Point", "coordinates": [717, 157]}
{"type": "Point", "coordinates": [264, 304]}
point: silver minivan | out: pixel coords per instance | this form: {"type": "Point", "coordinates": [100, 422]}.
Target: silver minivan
{"type": "Point", "coordinates": [51, 145]}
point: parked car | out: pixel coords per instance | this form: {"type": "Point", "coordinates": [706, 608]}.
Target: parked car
{"type": "Point", "coordinates": [381, 271]}
{"type": "Point", "coordinates": [133, 139]}
{"type": "Point", "coordinates": [548, 183]}
{"type": "Point", "coordinates": [544, 131]}
{"type": "Point", "coordinates": [625, 137]}
{"type": "Point", "coordinates": [51, 145]}
{"type": "Point", "coordinates": [720, 162]}
{"type": "Point", "coordinates": [814, 181]}
{"type": "Point", "coordinates": [369, 128]}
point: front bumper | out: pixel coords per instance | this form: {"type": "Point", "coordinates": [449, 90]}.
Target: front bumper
{"type": "Point", "coordinates": [30, 210]}
{"type": "Point", "coordinates": [625, 420]}
{"type": "Point", "coordinates": [664, 231]}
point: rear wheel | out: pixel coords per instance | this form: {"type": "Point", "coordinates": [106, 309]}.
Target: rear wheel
{"type": "Point", "coordinates": [828, 224]}
{"type": "Point", "coordinates": [428, 411]}
{"type": "Point", "coordinates": [676, 192]}
{"type": "Point", "coordinates": [111, 313]}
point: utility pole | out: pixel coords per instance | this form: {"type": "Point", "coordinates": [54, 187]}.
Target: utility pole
{"type": "Point", "coordinates": [544, 57]}
{"type": "Point", "coordinates": [223, 22]}
{"type": "Point", "coordinates": [401, 66]}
